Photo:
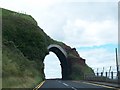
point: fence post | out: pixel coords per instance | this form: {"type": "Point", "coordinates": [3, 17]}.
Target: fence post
{"type": "Point", "coordinates": [109, 72]}
{"type": "Point", "coordinates": [106, 74]}
{"type": "Point", "coordinates": [111, 75]}
{"type": "Point", "coordinates": [117, 65]}
{"type": "Point", "coordinates": [101, 74]}
{"type": "Point", "coordinates": [97, 72]}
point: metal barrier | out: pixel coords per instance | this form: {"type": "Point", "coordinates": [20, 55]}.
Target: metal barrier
{"type": "Point", "coordinates": [102, 77]}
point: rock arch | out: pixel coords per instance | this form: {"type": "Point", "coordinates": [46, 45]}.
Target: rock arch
{"type": "Point", "coordinates": [62, 55]}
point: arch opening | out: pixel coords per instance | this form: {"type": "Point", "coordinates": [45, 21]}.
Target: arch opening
{"type": "Point", "coordinates": [52, 68]}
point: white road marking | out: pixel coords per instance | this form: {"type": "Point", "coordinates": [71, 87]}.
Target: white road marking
{"type": "Point", "coordinates": [69, 86]}
{"type": "Point", "coordinates": [73, 88]}
{"type": "Point", "coordinates": [66, 84]}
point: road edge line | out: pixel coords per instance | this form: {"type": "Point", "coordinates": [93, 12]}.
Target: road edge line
{"type": "Point", "coordinates": [102, 85]}
{"type": "Point", "coordinates": [39, 85]}
{"type": "Point", "coordinates": [115, 87]}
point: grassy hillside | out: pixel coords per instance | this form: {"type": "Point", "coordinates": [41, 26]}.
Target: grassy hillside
{"type": "Point", "coordinates": [24, 49]}
{"type": "Point", "coordinates": [18, 71]}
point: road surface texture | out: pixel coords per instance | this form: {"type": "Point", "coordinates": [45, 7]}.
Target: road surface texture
{"type": "Point", "coordinates": [72, 85]}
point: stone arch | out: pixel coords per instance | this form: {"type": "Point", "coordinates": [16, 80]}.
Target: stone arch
{"type": "Point", "coordinates": [62, 55]}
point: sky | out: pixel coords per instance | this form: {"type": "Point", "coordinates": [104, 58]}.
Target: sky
{"type": "Point", "coordinates": [91, 26]}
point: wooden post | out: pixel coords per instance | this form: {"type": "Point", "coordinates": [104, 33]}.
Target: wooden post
{"type": "Point", "coordinates": [109, 72]}
{"type": "Point", "coordinates": [118, 72]}
{"type": "Point", "coordinates": [111, 75]}
{"type": "Point", "coordinates": [101, 74]}
{"type": "Point", "coordinates": [106, 74]}
{"type": "Point", "coordinates": [116, 60]}
{"type": "Point", "coordinates": [97, 74]}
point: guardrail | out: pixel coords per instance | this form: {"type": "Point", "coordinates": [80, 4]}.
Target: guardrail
{"type": "Point", "coordinates": [103, 77]}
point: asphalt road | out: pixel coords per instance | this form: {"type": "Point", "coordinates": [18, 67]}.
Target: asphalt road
{"type": "Point", "coordinates": [72, 85]}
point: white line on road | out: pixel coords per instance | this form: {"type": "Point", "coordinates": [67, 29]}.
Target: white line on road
{"type": "Point", "coordinates": [66, 84]}
{"type": "Point", "coordinates": [73, 88]}
{"type": "Point", "coordinates": [69, 86]}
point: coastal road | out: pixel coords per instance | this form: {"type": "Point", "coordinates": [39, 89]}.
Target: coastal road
{"type": "Point", "coordinates": [72, 85]}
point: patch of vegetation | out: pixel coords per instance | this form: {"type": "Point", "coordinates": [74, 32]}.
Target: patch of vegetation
{"type": "Point", "coordinates": [18, 71]}
{"type": "Point", "coordinates": [24, 49]}
{"type": "Point", "coordinates": [79, 71]}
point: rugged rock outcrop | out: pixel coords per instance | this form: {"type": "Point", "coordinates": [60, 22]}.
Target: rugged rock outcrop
{"type": "Point", "coordinates": [77, 65]}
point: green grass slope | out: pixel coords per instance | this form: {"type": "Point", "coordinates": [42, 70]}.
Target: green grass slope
{"type": "Point", "coordinates": [18, 71]}
{"type": "Point", "coordinates": [24, 47]}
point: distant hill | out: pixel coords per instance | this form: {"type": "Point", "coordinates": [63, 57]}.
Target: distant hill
{"type": "Point", "coordinates": [24, 46]}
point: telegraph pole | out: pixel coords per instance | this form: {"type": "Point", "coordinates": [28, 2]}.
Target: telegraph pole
{"type": "Point", "coordinates": [118, 72]}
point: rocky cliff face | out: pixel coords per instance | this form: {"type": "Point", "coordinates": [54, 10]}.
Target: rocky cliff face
{"type": "Point", "coordinates": [77, 65]}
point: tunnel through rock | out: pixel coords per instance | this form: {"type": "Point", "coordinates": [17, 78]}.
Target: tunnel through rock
{"type": "Point", "coordinates": [62, 55]}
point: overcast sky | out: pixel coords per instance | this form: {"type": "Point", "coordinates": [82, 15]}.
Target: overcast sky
{"type": "Point", "coordinates": [88, 25]}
